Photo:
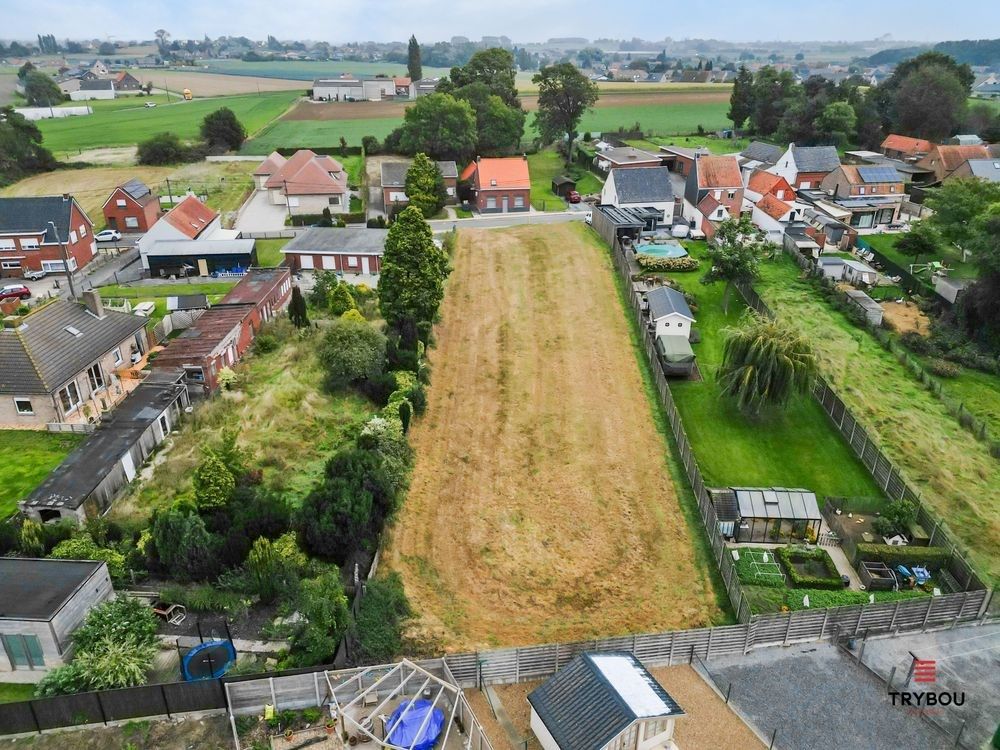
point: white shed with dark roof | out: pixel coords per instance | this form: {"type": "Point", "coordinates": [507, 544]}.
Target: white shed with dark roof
{"type": "Point", "coordinates": [602, 701]}
{"type": "Point", "coordinates": [669, 312]}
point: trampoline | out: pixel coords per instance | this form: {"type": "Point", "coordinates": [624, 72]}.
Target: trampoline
{"type": "Point", "coordinates": [415, 725]}
{"type": "Point", "coordinates": [208, 661]}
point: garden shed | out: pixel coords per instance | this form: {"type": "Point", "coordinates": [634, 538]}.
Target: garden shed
{"type": "Point", "coordinates": [766, 514]}
{"type": "Point", "coordinates": [871, 308]}
{"type": "Point", "coordinates": [562, 184]}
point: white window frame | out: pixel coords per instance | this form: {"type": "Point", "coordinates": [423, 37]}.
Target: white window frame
{"type": "Point", "coordinates": [121, 203]}
{"type": "Point", "coordinates": [72, 237]}
{"type": "Point", "coordinates": [83, 230]}
{"type": "Point", "coordinates": [491, 203]}
{"type": "Point", "coordinates": [95, 378]}
{"type": "Point", "coordinates": [10, 265]}
{"type": "Point", "coordinates": [117, 354]}
{"type": "Point", "coordinates": [518, 201]}
{"type": "Point", "coordinates": [73, 405]}
{"type": "Point", "coordinates": [18, 402]}
{"type": "Point", "coordinates": [131, 222]}
{"type": "Point", "coordinates": [7, 244]}
{"type": "Point", "coordinates": [352, 261]}
{"type": "Point", "coordinates": [29, 243]}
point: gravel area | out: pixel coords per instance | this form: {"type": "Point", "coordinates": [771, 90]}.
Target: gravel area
{"type": "Point", "coordinates": [481, 708]}
{"type": "Point", "coordinates": [816, 696]}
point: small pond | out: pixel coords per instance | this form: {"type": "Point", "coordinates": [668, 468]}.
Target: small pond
{"type": "Point", "coordinates": [662, 250]}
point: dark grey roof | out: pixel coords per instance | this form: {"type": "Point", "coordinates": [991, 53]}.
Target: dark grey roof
{"type": "Point", "coordinates": [815, 158]}
{"type": "Point", "coordinates": [724, 502]}
{"type": "Point", "coordinates": [596, 697]}
{"type": "Point", "coordinates": [80, 473]}
{"type": "Point", "coordinates": [760, 151]}
{"type": "Point", "coordinates": [626, 154]}
{"type": "Point", "coordinates": [187, 302]}
{"type": "Point", "coordinates": [986, 169]}
{"type": "Point", "coordinates": [44, 354]}
{"type": "Point", "coordinates": [34, 214]}
{"type": "Point", "coordinates": [777, 502]}
{"type": "Point", "coordinates": [394, 172]}
{"type": "Point", "coordinates": [663, 301]}
{"type": "Point", "coordinates": [622, 217]}
{"type": "Point", "coordinates": [97, 84]}
{"type": "Point", "coordinates": [32, 589]}
{"type": "Point", "coordinates": [342, 240]}
{"type": "Point", "coordinates": [136, 188]}
{"type": "Point", "coordinates": [643, 184]}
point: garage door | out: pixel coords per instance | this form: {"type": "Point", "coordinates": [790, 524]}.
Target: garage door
{"type": "Point", "coordinates": [306, 261]}
{"type": "Point", "coordinates": [329, 263]}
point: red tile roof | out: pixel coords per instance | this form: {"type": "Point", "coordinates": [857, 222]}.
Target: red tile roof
{"type": "Point", "coordinates": [718, 172]}
{"type": "Point", "coordinates": [773, 207]}
{"type": "Point", "coordinates": [495, 174]}
{"type": "Point", "coordinates": [906, 145]}
{"type": "Point", "coordinates": [764, 182]}
{"type": "Point", "coordinates": [952, 157]}
{"type": "Point", "coordinates": [271, 164]}
{"type": "Point", "coordinates": [307, 173]}
{"type": "Point", "coordinates": [190, 217]}
{"type": "Point", "coordinates": [708, 205]}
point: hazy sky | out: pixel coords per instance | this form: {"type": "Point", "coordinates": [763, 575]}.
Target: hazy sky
{"type": "Point", "coordinates": [522, 20]}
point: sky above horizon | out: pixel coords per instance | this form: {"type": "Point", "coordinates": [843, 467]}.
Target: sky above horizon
{"type": "Point", "coordinates": [522, 20]}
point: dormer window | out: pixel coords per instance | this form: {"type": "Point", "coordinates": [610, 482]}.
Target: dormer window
{"type": "Point", "coordinates": [493, 183]}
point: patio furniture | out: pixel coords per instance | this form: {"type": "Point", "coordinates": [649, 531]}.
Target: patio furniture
{"type": "Point", "coordinates": [173, 614]}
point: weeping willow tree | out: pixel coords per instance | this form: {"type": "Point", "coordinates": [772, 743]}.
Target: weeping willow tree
{"type": "Point", "coordinates": [765, 362]}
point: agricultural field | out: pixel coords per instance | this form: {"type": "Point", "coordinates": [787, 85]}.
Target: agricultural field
{"type": "Point", "coordinates": [955, 472]}
{"type": "Point", "coordinates": [126, 127]}
{"type": "Point", "coordinates": [26, 458]}
{"type": "Point", "coordinates": [541, 506]}
{"type": "Point", "coordinates": [224, 183]}
{"type": "Point", "coordinates": [285, 420]}
{"type": "Point", "coordinates": [660, 118]}
{"type": "Point", "coordinates": [547, 164]}
{"type": "Point", "coordinates": [714, 145]}
{"type": "Point", "coordinates": [317, 134]}
{"type": "Point", "coordinates": [7, 82]}
{"type": "Point", "coordinates": [775, 450]}
{"type": "Point", "coordinates": [211, 84]}
{"type": "Point", "coordinates": [308, 70]}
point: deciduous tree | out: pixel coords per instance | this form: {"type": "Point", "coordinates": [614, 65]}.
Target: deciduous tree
{"type": "Point", "coordinates": [40, 90]}
{"type": "Point", "coordinates": [425, 186]}
{"type": "Point", "coordinates": [351, 352]}
{"type": "Point", "coordinates": [440, 126]}
{"type": "Point", "coordinates": [741, 101]}
{"type": "Point", "coordinates": [735, 253]}
{"type": "Point", "coordinates": [923, 240]}
{"type": "Point", "coordinates": [222, 128]}
{"type": "Point", "coordinates": [564, 95]}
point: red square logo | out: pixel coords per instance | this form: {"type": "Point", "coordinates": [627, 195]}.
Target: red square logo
{"type": "Point", "coordinates": [925, 670]}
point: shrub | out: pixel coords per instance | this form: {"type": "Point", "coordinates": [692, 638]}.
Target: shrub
{"type": "Point", "coordinates": [213, 482]}
{"type": "Point", "coordinates": [379, 624]}
{"type": "Point", "coordinates": [915, 342]}
{"type": "Point", "coordinates": [325, 616]}
{"type": "Point", "coordinates": [265, 343]}
{"type": "Point", "coordinates": [896, 518]}
{"type": "Point", "coordinates": [83, 547]}
{"type": "Point", "coordinates": [656, 263]}
{"type": "Point", "coordinates": [267, 573]}
{"type": "Point", "coordinates": [351, 352]}
{"type": "Point", "coordinates": [943, 368]}
{"type": "Point", "coordinates": [792, 554]}
{"type": "Point", "coordinates": [165, 148]}
{"type": "Point", "coordinates": [206, 598]}
{"type": "Point", "coordinates": [183, 544]}
{"type": "Point", "coordinates": [932, 558]}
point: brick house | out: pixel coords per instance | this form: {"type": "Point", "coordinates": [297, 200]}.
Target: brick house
{"type": "Point", "coordinates": [713, 192]}
{"type": "Point", "coordinates": [306, 182]}
{"type": "Point", "coordinates": [354, 253]}
{"type": "Point", "coordinates": [132, 207]}
{"type": "Point", "coordinates": [67, 362]}
{"type": "Point", "coordinates": [903, 147]}
{"type": "Point", "coordinates": [806, 166]}
{"type": "Point", "coordinates": [125, 81]}
{"type": "Point", "coordinates": [394, 183]}
{"type": "Point", "coordinates": [499, 185]}
{"type": "Point", "coordinates": [943, 160]}
{"type": "Point", "coordinates": [872, 195]}
{"type": "Point", "coordinates": [626, 157]}
{"type": "Point", "coordinates": [27, 242]}
{"type": "Point", "coordinates": [679, 159]}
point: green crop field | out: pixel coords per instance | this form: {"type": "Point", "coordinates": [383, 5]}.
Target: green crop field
{"type": "Point", "coordinates": [781, 449]}
{"type": "Point", "coordinates": [659, 119]}
{"type": "Point", "coordinates": [318, 133]}
{"type": "Point", "coordinates": [126, 127]}
{"type": "Point", "coordinates": [306, 70]}
{"type": "Point", "coordinates": [949, 466]}
{"type": "Point", "coordinates": [26, 458]}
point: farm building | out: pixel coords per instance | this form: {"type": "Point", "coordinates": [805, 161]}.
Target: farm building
{"type": "Point", "coordinates": [355, 253]}
{"type": "Point", "coordinates": [600, 701]}
{"type": "Point", "coordinates": [41, 603]}
{"type": "Point", "coordinates": [101, 88]}
{"type": "Point", "coordinates": [350, 88]}
{"type": "Point", "coordinates": [759, 514]}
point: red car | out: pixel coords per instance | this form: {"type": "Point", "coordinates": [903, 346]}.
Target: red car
{"type": "Point", "coordinates": [11, 291]}
{"type": "Point", "coordinates": [573, 197]}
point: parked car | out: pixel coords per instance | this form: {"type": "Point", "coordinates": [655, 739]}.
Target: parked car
{"type": "Point", "coordinates": [15, 291]}
{"type": "Point", "coordinates": [149, 105]}
{"type": "Point", "coordinates": [108, 235]}
{"type": "Point", "coordinates": [573, 197]}
{"type": "Point", "coordinates": [32, 275]}
{"type": "Point", "coordinates": [589, 218]}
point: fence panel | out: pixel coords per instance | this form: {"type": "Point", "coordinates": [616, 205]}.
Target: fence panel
{"type": "Point", "coordinates": [17, 718]}
{"type": "Point", "coordinates": [68, 710]}
{"type": "Point", "coordinates": [204, 695]}
{"type": "Point", "coordinates": [133, 703]}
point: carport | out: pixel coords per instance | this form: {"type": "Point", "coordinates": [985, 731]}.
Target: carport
{"type": "Point", "coordinates": [561, 185]}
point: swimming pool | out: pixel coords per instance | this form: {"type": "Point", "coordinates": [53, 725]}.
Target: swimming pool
{"type": "Point", "coordinates": [671, 250]}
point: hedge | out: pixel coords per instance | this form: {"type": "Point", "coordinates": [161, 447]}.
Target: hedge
{"type": "Point", "coordinates": [790, 554]}
{"type": "Point", "coordinates": [932, 558]}
{"type": "Point", "coordinates": [656, 263]}
{"type": "Point", "coordinates": [301, 220]}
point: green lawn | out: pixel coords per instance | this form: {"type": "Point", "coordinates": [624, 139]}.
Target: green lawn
{"type": "Point", "coordinates": [126, 127]}
{"type": "Point", "coordinates": [13, 692]}
{"type": "Point", "coordinates": [318, 133]}
{"type": "Point", "coordinates": [26, 458]}
{"type": "Point", "coordinates": [269, 252]}
{"type": "Point", "coordinates": [949, 466]}
{"type": "Point", "coordinates": [158, 293]}
{"type": "Point", "coordinates": [124, 102]}
{"type": "Point", "coordinates": [951, 256]}
{"type": "Point", "coordinates": [547, 164]}
{"type": "Point", "coordinates": [797, 447]}
{"type": "Point", "coordinates": [658, 119]}
{"type": "Point", "coordinates": [714, 145]}
{"type": "Point", "coordinates": [979, 392]}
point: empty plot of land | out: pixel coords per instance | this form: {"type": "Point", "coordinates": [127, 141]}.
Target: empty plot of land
{"type": "Point", "coordinates": [541, 507]}
{"type": "Point", "coordinates": [214, 84]}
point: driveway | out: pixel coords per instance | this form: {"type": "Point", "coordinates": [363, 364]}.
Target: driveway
{"type": "Point", "coordinates": [259, 215]}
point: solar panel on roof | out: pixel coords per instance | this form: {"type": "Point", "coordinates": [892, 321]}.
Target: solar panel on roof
{"type": "Point", "coordinates": [878, 174]}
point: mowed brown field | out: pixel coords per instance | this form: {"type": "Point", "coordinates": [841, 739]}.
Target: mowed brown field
{"type": "Point", "coordinates": [540, 508]}
{"type": "Point", "coordinates": [215, 84]}
{"type": "Point", "coordinates": [307, 110]}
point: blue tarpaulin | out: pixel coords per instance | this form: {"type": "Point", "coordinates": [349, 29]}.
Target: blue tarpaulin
{"type": "Point", "coordinates": [407, 733]}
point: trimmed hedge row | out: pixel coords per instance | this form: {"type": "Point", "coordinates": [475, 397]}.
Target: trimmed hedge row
{"type": "Point", "coordinates": [790, 555]}
{"type": "Point", "coordinates": [301, 220]}
{"type": "Point", "coordinates": [932, 558]}
{"type": "Point", "coordinates": [656, 263]}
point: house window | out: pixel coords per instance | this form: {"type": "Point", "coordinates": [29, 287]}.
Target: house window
{"type": "Point", "coordinates": [95, 376]}
{"type": "Point", "coordinates": [164, 425]}
{"type": "Point", "coordinates": [83, 230]}
{"type": "Point", "coordinates": [196, 374]}
{"type": "Point", "coordinates": [518, 201]}
{"type": "Point", "coordinates": [805, 184]}
{"type": "Point", "coordinates": [69, 397]}
{"type": "Point", "coordinates": [120, 203]}
{"type": "Point", "coordinates": [117, 354]}
{"type": "Point", "coordinates": [885, 216]}
{"type": "Point", "coordinates": [10, 264]}
{"type": "Point", "coordinates": [23, 406]}
{"type": "Point", "coordinates": [72, 237]}
{"type": "Point", "coordinates": [6, 244]}
{"type": "Point", "coordinates": [491, 203]}
{"type": "Point", "coordinates": [29, 243]}
{"type": "Point", "coordinates": [861, 191]}
{"type": "Point", "coordinates": [334, 200]}
{"type": "Point", "coordinates": [718, 195]}
{"type": "Point", "coordinates": [892, 188]}
{"type": "Point", "coordinates": [493, 183]}
{"type": "Point", "coordinates": [131, 222]}
{"type": "Point", "coordinates": [781, 195]}
{"type": "Point", "coordinates": [732, 194]}
{"type": "Point", "coordinates": [352, 261]}
{"type": "Point", "coordinates": [24, 651]}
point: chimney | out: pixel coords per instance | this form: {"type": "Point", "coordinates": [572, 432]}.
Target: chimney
{"type": "Point", "coordinates": [478, 158]}
{"type": "Point", "coordinates": [92, 301]}
{"type": "Point", "coordinates": [66, 196]}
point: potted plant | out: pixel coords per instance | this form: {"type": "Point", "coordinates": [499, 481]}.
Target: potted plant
{"type": "Point", "coordinates": [288, 734]}
{"type": "Point", "coordinates": [330, 726]}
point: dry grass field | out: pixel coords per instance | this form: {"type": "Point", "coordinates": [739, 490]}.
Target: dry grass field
{"type": "Point", "coordinates": [541, 508]}
{"type": "Point", "coordinates": [214, 84]}
{"type": "Point", "coordinates": [225, 183]}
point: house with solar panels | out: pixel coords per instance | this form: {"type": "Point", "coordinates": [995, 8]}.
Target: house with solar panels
{"type": "Point", "coordinates": [870, 195]}
{"type": "Point", "coordinates": [132, 207]}
{"type": "Point", "coordinates": [603, 701]}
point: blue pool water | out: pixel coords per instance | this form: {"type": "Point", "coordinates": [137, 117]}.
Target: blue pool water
{"type": "Point", "coordinates": [661, 251]}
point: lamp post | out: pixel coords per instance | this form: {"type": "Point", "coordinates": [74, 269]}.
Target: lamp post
{"type": "Point", "coordinates": [65, 259]}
